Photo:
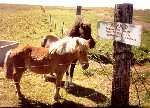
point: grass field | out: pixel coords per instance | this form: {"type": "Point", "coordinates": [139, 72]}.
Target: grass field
{"type": "Point", "coordinates": [28, 24]}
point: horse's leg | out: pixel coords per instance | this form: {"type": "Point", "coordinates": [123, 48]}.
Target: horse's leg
{"type": "Point", "coordinates": [17, 77]}
{"type": "Point", "coordinates": [58, 85]}
{"type": "Point", "coordinates": [44, 77]}
{"type": "Point", "coordinates": [66, 82]}
{"type": "Point", "coordinates": [71, 72]}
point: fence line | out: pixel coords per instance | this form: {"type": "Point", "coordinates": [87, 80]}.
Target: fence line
{"type": "Point", "coordinates": [136, 91]}
{"type": "Point", "coordinates": [142, 81]}
{"type": "Point", "coordinates": [104, 70]}
{"type": "Point", "coordinates": [34, 66]}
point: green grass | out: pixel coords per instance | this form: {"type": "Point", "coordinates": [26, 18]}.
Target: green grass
{"type": "Point", "coordinates": [28, 25]}
{"type": "Point", "coordinates": [88, 90]}
{"type": "Point", "coordinates": [142, 53]}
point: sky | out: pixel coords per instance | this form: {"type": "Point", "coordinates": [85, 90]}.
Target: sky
{"type": "Point", "coordinates": [137, 4]}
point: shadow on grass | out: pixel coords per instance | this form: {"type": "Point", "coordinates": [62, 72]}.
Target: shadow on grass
{"type": "Point", "coordinates": [26, 103]}
{"type": "Point", "coordinates": [101, 59]}
{"type": "Point", "coordinates": [83, 92]}
{"type": "Point", "coordinates": [77, 91]}
{"type": "Point", "coordinates": [30, 103]}
{"type": "Point", "coordinates": [88, 93]}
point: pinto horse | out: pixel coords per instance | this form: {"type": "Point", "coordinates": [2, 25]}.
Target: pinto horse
{"type": "Point", "coordinates": [78, 30]}
{"type": "Point", "coordinates": [55, 59]}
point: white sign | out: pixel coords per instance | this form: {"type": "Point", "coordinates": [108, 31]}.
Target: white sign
{"type": "Point", "coordinates": [123, 32]}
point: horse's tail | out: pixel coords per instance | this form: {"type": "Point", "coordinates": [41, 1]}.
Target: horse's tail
{"type": "Point", "coordinates": [8, 65]}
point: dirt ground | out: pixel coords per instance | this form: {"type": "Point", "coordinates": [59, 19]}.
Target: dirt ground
{"type": "Point", "coordinates": [144, 24]}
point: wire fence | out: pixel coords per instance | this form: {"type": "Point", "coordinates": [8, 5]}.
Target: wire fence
{"type": "Point", "coordinates": [139, 82]}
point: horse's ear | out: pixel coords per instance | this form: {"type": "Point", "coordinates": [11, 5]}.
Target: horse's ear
{"type": "Point", "coordinates": [82, 24]}
{"type": "Point", "coordinates": [90, 24]}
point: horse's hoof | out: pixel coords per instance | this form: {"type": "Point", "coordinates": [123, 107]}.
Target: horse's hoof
{"type": "Point", "coordinates": [57, 98]}
{"type": "Point", "coordinates": [66, 86]}
{"type": "Point", "coordinates": [44, 79]}
{"type": "Point", "coordinates": [21, 96]}
{"type": "Point", "coordinates": [71, 85]}
{"type": "Point", "coordinates": [59, 101]}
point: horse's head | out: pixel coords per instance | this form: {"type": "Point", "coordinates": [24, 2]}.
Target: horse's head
{"type": "Point", "coordinates": [82, 52]}
{"type": "Point", "coordinates": [84, 31]}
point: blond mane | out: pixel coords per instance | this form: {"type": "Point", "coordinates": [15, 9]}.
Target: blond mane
{"type": "Point", "coordinates": [67, 45]}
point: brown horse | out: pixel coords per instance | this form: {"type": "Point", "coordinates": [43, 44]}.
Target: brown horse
{"type": "Point", "coordinates": [78, 30]}
{"type": "Point", "coordinates": [55, 59]}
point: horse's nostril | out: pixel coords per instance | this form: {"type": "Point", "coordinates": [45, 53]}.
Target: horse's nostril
{"type": "Point", "coordinates": [85, 65]}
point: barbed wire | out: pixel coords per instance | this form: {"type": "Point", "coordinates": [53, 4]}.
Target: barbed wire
{"type": "Point", "coordinates": [136, 91]}
{"type": "Point", "coordinates": [103, 69]}
{"type": "Point", "coordinates": [142, 81]}
{"type": "Point", "coordinates": [35, 66]}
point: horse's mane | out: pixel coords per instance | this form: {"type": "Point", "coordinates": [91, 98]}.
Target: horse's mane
{"type": "Point", "coordinates": [67, 45]}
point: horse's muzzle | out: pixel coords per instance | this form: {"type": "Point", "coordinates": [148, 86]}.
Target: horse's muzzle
{"type": "Point", "coordinates": [85, 65]}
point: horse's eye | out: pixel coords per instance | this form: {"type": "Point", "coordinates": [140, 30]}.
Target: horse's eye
{"type": "Point", "coordinates": [80, 52]}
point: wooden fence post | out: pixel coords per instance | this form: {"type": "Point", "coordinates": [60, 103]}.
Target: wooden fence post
{"type": "Point", "coordinates": [62, 29]}
{"type": "Point", "coordinates": [122, 60]}
{"type": "Point", "coordinates": [79, 17]}
{"type": "Point", "coordinates": [78, 10]}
